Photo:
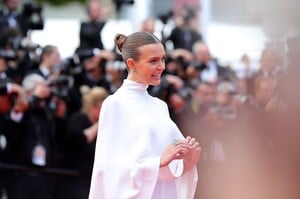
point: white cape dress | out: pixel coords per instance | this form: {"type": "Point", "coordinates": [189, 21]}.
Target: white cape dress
{"type": "Point", "coordinates": [134, 129]}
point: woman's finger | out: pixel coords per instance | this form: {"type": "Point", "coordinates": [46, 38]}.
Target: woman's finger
{"type": "Point", "coordinates": [196, 144]}
{"type": "Point", "coordinates": [188, 138]}
{"type": "Point", "coordinates": [192, 141]}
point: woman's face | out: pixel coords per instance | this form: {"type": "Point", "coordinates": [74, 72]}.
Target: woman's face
{"type": "Point", "coordinates": [150, 65]}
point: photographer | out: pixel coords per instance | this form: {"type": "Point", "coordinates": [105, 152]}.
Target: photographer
{"type": "Point", "coordinates": [8, 91]}
{"type": "Point", "coordinates": [9, 14]}
{"type": "Point", "coordinates": [15, 44]}
{"type": "Point", "coordinates": [205, 68]}
{"type": "Point", "coordinates": [50, 57]}
{"type": "Point", "coordinates": [41, 129]}
{"type": "Point", "coordinates": [8, 88]}
{"type": "Point", "coordinates": [17, 53]}
{"type": "Point", "coordinates": [93, 73]}
{"type": "Point", "coordinates": [183, 35]}
{"type": "Point", "coordinates": [29, 18]}
{"type": "Point", "coordinates": [90, 31]}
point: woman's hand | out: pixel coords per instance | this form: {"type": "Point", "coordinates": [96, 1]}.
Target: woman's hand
{"type": "Point", "coordinates": [177, 150]}
{"type": "Point", "coordinates": [193, 155]}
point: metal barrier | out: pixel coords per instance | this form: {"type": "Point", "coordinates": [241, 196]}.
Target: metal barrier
{"type": "Point", "coordinates": [45, 170]}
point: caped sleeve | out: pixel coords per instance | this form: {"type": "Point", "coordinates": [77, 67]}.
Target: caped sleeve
{"type": "Point", "coordinates": [128, 169]}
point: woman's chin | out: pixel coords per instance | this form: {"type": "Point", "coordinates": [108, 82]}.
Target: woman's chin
{"type": "Point", "coordinates": [155, 83]}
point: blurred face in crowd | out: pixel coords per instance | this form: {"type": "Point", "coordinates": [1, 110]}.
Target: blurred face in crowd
{"type": "Point", "coordinates": [91, 64]}
{"type": "Point", "coordinates": [50, 57]}
{"type": "Point", "coordinates": [224, 98]}
{"type": "Point", "coordinates": [205, 94]}
{"type": "Point", "coordinates": [12, 5]}
{"type": "Point", "coordinates": [3, 65]}
{"type": "Point", "coordinates": [53, 58]}
{"type": "Point", "coordinates": [91, 67]}
{"type": "Point", "coordinates": [202, 53]}
{"type": "Point", "coordinates": [264, 90]}
{"type": "Point", "coordinates": [246, 60]}
{"type": "Point", "coordinates": [115, 73]}
{"type": "Point", "coordinates": [94, 10]}
{"type": "Point", "coordinates": [148, 25]}
{"type": "Point", "coordinates": [269, 60]}
{"type": "Point", "coordinates": [93, 111]}
{"type": "Point", "coordinates": [92, 102]}
{"type": "Point", "coordinates": [149, 66]}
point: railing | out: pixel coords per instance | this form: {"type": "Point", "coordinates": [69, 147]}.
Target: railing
{"type": "Point", "coordinates": [44, 170]}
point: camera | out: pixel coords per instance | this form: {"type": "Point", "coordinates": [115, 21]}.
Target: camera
{"type": "Point", "coordinates": [61, 85]}
{"type": "Point", "coordinates": [73, 65]}
{"type": "Point", "coordinates": [8, 55]}
{"type": "Point", "coordinates": [164, 18]}
{"type": "Point", "coordinates": [18, 43]}
{"type": "Point", "coordinates": [32, 17]}
{"type": "Point", "coordinates": [178, 60]}
{"type": "Point", "coordinates": [18, 49]}
{"type": "Point", "coordinates": [119, 3]}
{"type": "Point", "coordinates": [198, 65]}
{"type": "Point", "coordinates": [13, 46]}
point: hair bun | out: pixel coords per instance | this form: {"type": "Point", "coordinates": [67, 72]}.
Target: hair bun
{"type": "Point", "coordinates": [120, 40]}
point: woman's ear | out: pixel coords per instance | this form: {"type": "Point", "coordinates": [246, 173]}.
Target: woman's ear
{"type": "Point", "coordinates": [130, 63]}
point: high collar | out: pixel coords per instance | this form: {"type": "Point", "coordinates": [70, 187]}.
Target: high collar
{"type": "Point", "coordinates": [134, 86]}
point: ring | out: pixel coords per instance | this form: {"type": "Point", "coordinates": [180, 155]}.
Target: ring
{"type": "Point", "coordinates": [175, 142]}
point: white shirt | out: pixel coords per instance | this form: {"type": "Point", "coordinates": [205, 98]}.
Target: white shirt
{"type": "Point", "coordinates": [46, 72]}
{"type": "Point", "coordinates": [210, 73]}
{"type": "Point", "coordinates": [134, 130]}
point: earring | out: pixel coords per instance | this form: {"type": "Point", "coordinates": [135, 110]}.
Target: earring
{"type": "Point", "coordinates": [134, 71]}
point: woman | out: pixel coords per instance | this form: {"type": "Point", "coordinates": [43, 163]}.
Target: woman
{"type": "Point", "coordinates": [81, 141]}
{"type": "Point", "coordinates": [140, 153]}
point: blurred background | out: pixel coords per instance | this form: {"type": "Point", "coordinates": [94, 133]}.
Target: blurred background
{"type": "Point", "coordinates": [231, 81]}
{"type": "Point", "coordinates": [245, 26]}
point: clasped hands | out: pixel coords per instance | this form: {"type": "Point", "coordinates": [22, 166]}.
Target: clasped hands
{"type": "Point", "coordinates": [187, 149]}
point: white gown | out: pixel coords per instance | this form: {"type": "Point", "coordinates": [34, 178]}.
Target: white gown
{"type": "Point", "coordinates": [134, 130]}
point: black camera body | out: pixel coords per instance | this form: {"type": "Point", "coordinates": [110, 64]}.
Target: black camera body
{"type": "Point", "coordinates": [31, 17]}
{"type": "Point", "coordinates": [119, 3]}
{"type": "Point", "coordinates": [198, 65]}
{"type": "Point", "coordinates": [73, 65]}
{"type": "Point", "coordinates": [8, 55]}
{"type": "Point", "coordinates": [164, 18]}
{"type": "Point", "coordinates": [18, 47]}
{"type": "Point", "coordinates": [18, 43]}
{"type": "Point", "coordinates": [61, 85]}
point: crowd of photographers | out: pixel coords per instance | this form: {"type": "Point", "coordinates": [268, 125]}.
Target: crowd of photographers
{"type": "Point", "coordinates": [49, 108]}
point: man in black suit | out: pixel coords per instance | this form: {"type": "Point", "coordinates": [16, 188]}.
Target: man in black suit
{"type": "Point", "coordinates": [184, 35]}
{"type": "Point", "coordinates": [50, 58]}
{"type": "Point", "coordinates": [90, 31]}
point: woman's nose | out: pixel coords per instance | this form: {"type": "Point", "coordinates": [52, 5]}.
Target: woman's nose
{"type": "Point", "coordinates": [162, 65]}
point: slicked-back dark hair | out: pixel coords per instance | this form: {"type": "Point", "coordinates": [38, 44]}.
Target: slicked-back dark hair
{"type": "Point", "coordinates": [128, 45]}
